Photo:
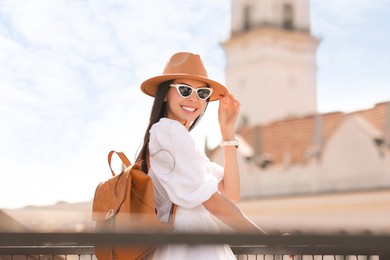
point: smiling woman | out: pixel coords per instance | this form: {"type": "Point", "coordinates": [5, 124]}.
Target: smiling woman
{"type": "Point", "coordinates": [182, 104]}
{"type": "Point", "coordinates": [181, 173]}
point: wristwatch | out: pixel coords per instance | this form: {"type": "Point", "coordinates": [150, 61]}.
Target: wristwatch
{"type": "Point", "coordinates": [230, 143]}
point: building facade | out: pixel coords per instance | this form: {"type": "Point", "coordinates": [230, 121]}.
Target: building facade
{"type": "Point", "coordinates": [286, 146]}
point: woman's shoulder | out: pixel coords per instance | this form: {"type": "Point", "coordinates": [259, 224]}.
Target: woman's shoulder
{"type": "Point", "coordinates": [166, 125]}
{"type": "Point", "coordinates": [170, 133]}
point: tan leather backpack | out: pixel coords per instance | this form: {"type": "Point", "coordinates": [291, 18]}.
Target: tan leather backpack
{"type": "Point", "coordinates": [125, 203]}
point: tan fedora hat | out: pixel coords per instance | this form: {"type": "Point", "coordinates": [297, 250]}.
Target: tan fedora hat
{"type": "Point", "coordinates": [184, 65]}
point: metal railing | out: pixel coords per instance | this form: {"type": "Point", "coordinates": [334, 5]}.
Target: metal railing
{"type": "Point", "coordinates": [245, 246]}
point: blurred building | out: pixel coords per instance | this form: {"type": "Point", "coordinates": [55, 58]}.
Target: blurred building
{"type": "Point", "coordinates": [315, 153]}
{"type": "Point", "coordinates": [288, 148]}
{"type": "Point", "coordinates": [60, 217]}
{"type": "Point", "coordinates": [271, 60]}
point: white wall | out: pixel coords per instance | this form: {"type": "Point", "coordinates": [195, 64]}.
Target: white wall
{"type": "Point", "coordinates": [351, 157]}
{"type": "Point", "coordinates": [273, 74]}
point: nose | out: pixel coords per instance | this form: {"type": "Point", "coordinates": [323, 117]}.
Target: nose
{"type": "Point", "coordinates": [193, 96]}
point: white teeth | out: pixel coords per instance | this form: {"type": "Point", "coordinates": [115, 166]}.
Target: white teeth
{"type": "Point", "coordinates": [190, 109]}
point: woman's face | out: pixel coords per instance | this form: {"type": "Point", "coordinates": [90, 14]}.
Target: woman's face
{"type": "Point", "coordinates": [185, 110]}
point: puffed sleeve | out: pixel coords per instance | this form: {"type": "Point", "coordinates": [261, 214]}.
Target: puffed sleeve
{"type": "Point", "coordinates": [214, 168]}
{"type": "Point", "coordinates": [217, 170]}
{"type": "Point", "coordinates": [178, 167]}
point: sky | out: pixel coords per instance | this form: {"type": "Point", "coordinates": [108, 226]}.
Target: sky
{"type": "Point", "coordinates": [70, 72]}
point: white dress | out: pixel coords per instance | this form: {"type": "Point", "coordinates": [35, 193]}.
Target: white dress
{"type": "Point", "coordinates": [185, 176]}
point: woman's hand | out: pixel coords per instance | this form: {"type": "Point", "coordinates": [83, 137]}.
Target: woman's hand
{"type": "Point", "coordinates": [229, 108]}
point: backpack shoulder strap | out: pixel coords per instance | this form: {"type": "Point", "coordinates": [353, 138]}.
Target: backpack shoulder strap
{"type": "Point", "coordinates": [123, 158]}
{"type": "Point", "coordinates": [172, 214]}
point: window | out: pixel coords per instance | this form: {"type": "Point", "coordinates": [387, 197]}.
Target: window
{"type": "Point", "coordinates": [247, 18]}
{"type": "Point", "coordinates": [288, 16]}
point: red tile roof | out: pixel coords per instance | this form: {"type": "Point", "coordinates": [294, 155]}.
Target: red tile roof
{"type": "Point", "coordinates": [291, 139]}
{"type": "Point", "coordinates": [376, 115]}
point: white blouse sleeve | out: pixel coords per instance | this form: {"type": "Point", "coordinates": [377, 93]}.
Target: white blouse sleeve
{"type": "Point", "coordinates": [178, 167]}
{"type": "Point", "coordinates": [214, 168]}
{"type": "Point", "coordinates": [217, 170]}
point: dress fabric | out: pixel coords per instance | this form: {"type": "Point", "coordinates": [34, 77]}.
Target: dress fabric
{"type": "Point", "coordinates": [182, 174]}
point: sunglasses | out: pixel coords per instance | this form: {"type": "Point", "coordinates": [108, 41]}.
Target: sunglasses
{"type": "Point", "coordinates": [185, 91]}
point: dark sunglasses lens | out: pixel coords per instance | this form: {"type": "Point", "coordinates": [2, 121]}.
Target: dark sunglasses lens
{"type": "Point", "coordinates": [185, 91]}
{"type": "Point", "coordinates": [203, 93]}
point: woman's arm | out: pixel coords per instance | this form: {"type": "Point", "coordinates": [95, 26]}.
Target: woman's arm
{"type": "Point", "coordinates": [226, 211]}
{"type": "Point", "coordinates": [230, 184]}
{"type": "Point", "coordinates": [229, 108]}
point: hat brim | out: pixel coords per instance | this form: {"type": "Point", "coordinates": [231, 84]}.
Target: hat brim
{"type": "Point", "coordinates": [149, 86]}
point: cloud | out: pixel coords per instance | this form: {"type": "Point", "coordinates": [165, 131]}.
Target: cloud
{"type": "Point", "coordinates": [352, 55]}
{"type": "Point", "coordinates": [346, 11]}
{"type": "Point", "coordinates": [69, 85]}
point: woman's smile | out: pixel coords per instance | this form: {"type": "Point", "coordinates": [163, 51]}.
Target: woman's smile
{"type": "Point", "coordinates": [189, 109]}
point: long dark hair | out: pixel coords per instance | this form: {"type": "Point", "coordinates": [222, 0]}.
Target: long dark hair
{"type": "Point", "coordinates": [159, 110]}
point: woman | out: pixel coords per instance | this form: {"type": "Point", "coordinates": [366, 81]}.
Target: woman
{"type": "Point", "coordinates": [181, 173]}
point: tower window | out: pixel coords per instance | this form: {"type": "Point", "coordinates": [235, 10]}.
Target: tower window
{"type": "Point", "coordinates": [288, 16]}
{"type": "Point", "coordinates": [247, 18]}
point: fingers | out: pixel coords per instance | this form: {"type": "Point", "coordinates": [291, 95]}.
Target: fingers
{"type": "Point", "coordinates": [229, 99]}
{"type": "Point", "coordinates": [229, 108]}
{"type": "Point", "coordinates": [229, 102]}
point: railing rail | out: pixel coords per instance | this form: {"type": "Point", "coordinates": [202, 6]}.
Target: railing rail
{"type": "Point", "coordinates": [242, 244]}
